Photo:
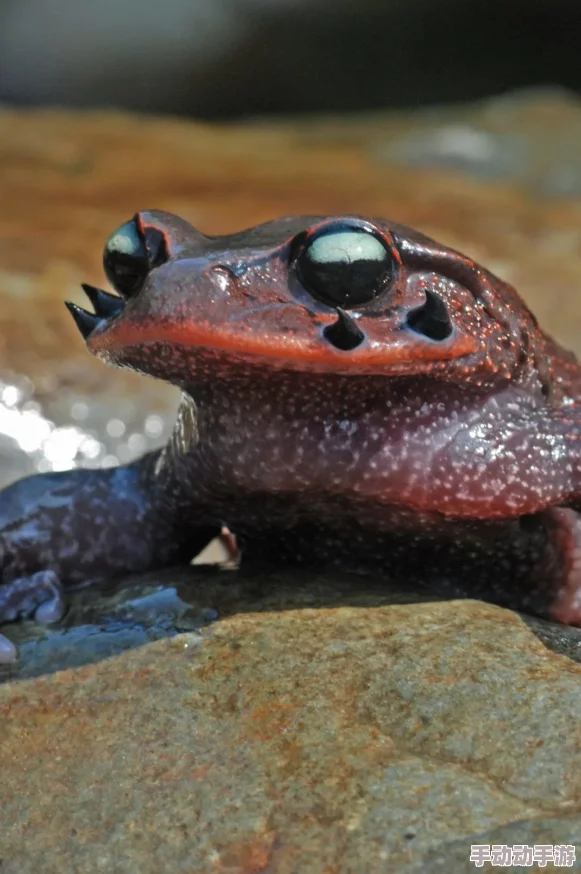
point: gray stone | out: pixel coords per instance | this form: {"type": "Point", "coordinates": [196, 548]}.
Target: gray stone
{"type": "Point", "coordinates": [351, 738]}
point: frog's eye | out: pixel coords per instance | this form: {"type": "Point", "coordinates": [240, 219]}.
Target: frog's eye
{"type": "Point", "coordinates": [345, 266]}
{"type": "Point", "coordinates": [130, 253]}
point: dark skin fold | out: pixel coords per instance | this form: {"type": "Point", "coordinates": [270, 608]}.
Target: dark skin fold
{"type": "Point", "coordinates": [354, 395]}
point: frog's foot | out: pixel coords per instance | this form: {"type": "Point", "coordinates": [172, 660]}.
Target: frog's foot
{"type": "Point", "coordinates": [565, 525]}
{"type": "Point", "coordinates": [39, 596]}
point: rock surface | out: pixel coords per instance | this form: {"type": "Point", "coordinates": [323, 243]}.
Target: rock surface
{"type": "Point", "coordinates": [306, 724]}
{"type": "Point", "coordinates": [307, 738]}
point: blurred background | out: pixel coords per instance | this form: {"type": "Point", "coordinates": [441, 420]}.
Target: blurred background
{"type": "Point", "coordinates": [229, 58]}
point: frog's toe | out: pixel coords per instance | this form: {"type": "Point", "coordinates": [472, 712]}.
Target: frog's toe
{"type": "Point", "coordinates": [8, 652]}
{"type": "Point", "coordinates": [39, 596]}
{"type": "Point", "coordinates": [230, 543]}
{"type": "Point", "coordinates": [54, 607]}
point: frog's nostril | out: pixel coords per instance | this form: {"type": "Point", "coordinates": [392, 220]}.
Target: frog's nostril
{"type": "Point", "coordinates": [431, 319]}
{"type": "Point", "coordinates": [344, 334]}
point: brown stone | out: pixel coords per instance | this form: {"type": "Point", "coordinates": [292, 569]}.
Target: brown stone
{"type": "Point", "coordinates": [341, 739]}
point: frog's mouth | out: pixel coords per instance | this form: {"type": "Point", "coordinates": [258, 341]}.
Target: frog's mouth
{"type": "Point", "coordinates": [423, 336]}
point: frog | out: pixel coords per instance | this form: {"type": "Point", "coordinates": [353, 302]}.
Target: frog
{"type": "Point", "coordinates": [354, 396]}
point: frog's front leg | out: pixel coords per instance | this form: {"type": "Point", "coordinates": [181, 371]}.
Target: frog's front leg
{"type": "Point", "coordinates": [62, 528]}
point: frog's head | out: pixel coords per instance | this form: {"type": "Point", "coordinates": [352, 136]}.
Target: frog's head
{"type": "Point", "coordinates": [344, 295]}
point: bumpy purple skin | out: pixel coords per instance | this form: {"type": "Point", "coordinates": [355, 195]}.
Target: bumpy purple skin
{"type": "Point", "coordinates": [455, 462]}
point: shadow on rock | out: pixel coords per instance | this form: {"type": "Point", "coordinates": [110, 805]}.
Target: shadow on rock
{"type": "Point", "coordinates": [106, 619]}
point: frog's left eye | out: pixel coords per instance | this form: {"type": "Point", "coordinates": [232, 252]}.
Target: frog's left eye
{"type": "Point", "coordinates": [345, 266]}
{"type": "Point", "coordinates": [130, 253]}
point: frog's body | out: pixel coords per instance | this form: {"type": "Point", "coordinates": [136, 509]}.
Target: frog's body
{"type": "Point", "coordinates": [354, 393]}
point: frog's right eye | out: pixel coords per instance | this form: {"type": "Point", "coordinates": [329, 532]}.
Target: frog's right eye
{"type": "Point", "coordinates": [131, 252]}
{"type": "Point", "coordinates": [345, 263]}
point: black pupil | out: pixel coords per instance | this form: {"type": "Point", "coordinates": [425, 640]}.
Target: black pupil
{"type": "Point", "coordinates": [125, 274]}
{"type": "Point", "coordinates": [127, 260]}
{"type": "Point", "coordinates": [345, 268]}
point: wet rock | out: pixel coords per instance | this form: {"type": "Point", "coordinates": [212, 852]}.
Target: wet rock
{"type": "Point", "coordinates": [560, 638]}
{"type": "Point", "coordinates": [348, 738]}
{"type": "Point", "coordinates": [106, 619]}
